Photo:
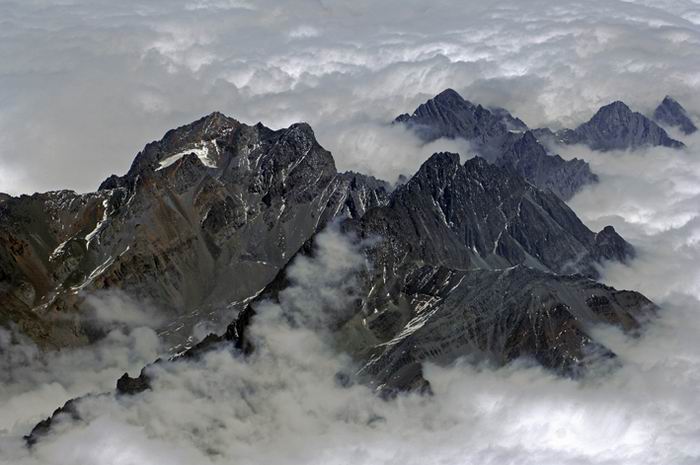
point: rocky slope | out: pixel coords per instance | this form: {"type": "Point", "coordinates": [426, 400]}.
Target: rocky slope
{"type": "Point", "coordinates": [476, 215]}
{"type": "Point", "coordinates": [481, 259]}
{"type": "Point", "coordinates": [468, 261]}
{"type": "Point", "coordinates": [205, 217]}
{"type": "Point", "coordinates": [500, 138]}
{"type": "Point", "coordinates": [465, 260]}
{"type": "Point", "coordinates": [614, 127]}
{"type": "Point", "coordinates": [671, 113]}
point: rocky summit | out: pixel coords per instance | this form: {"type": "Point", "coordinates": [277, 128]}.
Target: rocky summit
{"type": "Point", "coordinates": [480, 260]}
{"type": "Point", "coordinates": [205, 218]}
{"type": "Point", "coordinates": [671, 113]}
{"type": "Point", "coordinates": [615, 127]}
{"type": "Point", "coordinates": [500, 138]}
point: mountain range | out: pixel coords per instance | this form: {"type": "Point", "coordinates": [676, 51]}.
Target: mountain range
{"type": "Point", "coordinates": [480, 259]}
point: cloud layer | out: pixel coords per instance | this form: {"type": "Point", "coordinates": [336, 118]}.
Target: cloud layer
{"type": "Point", "coordinates": [88, 83]}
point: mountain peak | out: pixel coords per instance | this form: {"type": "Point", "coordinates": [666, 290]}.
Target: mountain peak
{"type": "Point", "coordinates": [494, 133]}
{"type": "Point", "coordinates": [669, 100]}
{"type": "Point", "coordinates": [448, 95]}
{"type": "Point", "coordinates": [443, 158]}
{"type": "Point", "coordinates": [616, 108]}
{"type": "Point", "coordinates": [212, 123]}
{"type": "Point", "coordinates": [302, 127]}
{"type": "Point", "coordinates": [616, 127]}
{"type": "Point", "coordinates": [671, 113]}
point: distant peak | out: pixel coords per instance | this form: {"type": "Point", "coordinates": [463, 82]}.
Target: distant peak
{"type": "Point", "coordinates": [448, 95]}
{"type": "Point", "coordinates": [668, 99]}
{"type": "Point", "coordinates": [616, 111]}
{"type": "Point", "coordinates": [217, 116]}
{"type": "Point", "coordinates": [672, 113]}
{"type": "Point", "coordinates": [213, 123]}
{"type": "Point", "coordinates": [616, 106]}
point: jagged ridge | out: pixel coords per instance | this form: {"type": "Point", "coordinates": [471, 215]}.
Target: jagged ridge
{"type": "Point", "coordinates": [500, 138]}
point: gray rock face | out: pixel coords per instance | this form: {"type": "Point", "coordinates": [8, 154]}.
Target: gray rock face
{"type": "Point", "coordinates": [528, 158]}
{"type": "Point", "coordinates": [449, 115]}
{"type": "Point", "coordinates": [470, 261]}
{"type": "Point", "coordinates": [212, 199]}
{"type": "Point", "coordinates": [359, 193]}
{"type": "Point", "coordinates": [616, 127]}
{"type": "Point", "coordinates": [478, 215]}
{"type": "Point", "coordinates": [473, 261]}
{"type": "Point", "coordinates": [464, 261]}
{"type": "Point", "coordinates": [476, 262]}
{"type": "Point", "coordinates": [500, 138]}
{"type": "Point", "coordinates": [439, 314]}
{"type": "Point", "coordinates": [671, 113]}
{"type": "Point", "coordinates": [512, 123]}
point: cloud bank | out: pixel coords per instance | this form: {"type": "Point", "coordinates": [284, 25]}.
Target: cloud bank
{"type": "Point", "coordinates": [88, 83]}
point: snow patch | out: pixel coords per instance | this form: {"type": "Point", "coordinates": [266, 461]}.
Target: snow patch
{"type": "Point", "coordinates": [100, 224]}
{"type": "Point", "coordinates": [201, 149]}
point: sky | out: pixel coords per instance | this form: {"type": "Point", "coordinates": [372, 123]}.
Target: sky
{"type": "Point", "coordinates": [84, 85]}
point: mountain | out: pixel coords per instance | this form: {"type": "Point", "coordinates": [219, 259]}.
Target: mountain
{"type": "Point", "coordinates": [475, 261]}
{"type": "Point", "coordinates": [204, 218]}
{"type": "Point", "coordinates": [462, 260]}
{"type": "Point", "coordinates": [615, 127]}
{"type": "Point", "coordinates": [671, 113]}
{"type": "Point", "coordinates": [528, 158]}
{"type": "Point", "coordinates": [478, 215]}
{"type": "Point", "coordinates": [471, 261]}
{"type": "Point", "coordinates": [500, 138]}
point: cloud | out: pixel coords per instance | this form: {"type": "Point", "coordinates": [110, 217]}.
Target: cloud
{"type": "Point", "coordinates": [34, 383]}
{"type": "Point", "coordinates": [652, 199]}
{"type": "Point", "coordinates": [110, 309]}
{"type": "Point", "coordinates": [87, 84]}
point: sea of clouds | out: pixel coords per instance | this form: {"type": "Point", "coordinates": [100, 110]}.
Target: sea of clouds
{"type": "Point", "coordinates": [87, 83]}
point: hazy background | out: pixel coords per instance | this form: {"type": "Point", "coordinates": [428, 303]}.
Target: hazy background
{"type": "Point", "coordinates": [83, 86]}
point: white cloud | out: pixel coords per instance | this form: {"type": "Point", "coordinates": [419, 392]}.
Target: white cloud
{"type": "Point", "coordinates": [34, 383]}
{"type": "Point", "coordinates": [89, 83]}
